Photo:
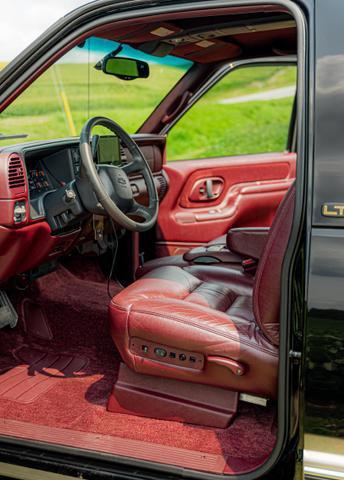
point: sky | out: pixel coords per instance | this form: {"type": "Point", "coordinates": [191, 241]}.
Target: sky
{"type": "Point", "coordinates": [19, 30]}
{"type": "Point", "coordinates": [36, 16]}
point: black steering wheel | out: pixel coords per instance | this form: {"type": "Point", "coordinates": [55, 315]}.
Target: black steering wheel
{"type": "Point", "coordinates": [111, 184]}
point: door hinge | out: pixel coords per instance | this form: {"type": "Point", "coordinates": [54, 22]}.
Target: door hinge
{"type": "Point", "coordinates": [295, 356]}
{"type": "Point", "coordinates": [299, 455]}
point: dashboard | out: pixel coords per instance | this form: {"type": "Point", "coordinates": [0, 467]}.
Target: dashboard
{"type": "Point", "coordinates": [32, 175]}
{"type": "Point", "coordinates": [38, 181]}
{"type": "Point", "coordinates": [50, 168]}
{"type": "Point", "coordinates": [46, 172]}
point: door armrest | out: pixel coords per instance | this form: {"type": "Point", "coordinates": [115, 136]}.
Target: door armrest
{"type": "Point", "coordinates": [248, 242]}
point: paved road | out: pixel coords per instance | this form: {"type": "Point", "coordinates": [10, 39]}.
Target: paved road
{"type": "Point", "coordinates": [261, 96]}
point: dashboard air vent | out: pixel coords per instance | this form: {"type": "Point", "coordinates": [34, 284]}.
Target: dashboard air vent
{"type": "Point", "coordinates": [16, 175]}
{"type": "Point", "coordinates": [124, 160]}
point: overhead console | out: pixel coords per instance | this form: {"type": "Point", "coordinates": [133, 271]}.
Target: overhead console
{"type": "Point", "coordinates": [225, 38]}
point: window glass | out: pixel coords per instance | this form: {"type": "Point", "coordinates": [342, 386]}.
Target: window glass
{"type": "Point", "coordinates": [59, 102]}
{"type": "Point", "coordinates": [246, 112]}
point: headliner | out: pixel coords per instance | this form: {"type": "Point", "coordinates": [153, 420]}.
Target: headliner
{"type": "Point", "coordinates": [208, 37]}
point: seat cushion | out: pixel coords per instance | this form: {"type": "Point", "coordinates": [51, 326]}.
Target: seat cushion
{"type": "Point", "coordinates": [206, 311]}
{"type": "Point", "coordinates": [172, 260]}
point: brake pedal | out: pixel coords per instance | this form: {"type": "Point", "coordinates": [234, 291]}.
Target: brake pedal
{"type": "Point", "coordinates": [8, 314]}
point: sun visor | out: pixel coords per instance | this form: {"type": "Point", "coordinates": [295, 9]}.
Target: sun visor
{"type": "Point", "coordinates": [207, 51]}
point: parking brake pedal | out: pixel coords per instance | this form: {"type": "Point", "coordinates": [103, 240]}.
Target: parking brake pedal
{"type": "Point", "coordinates": [8, 315]}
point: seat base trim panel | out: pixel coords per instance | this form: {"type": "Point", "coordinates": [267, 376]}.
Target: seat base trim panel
{"type": "Point", "coordinates": [167, 399]}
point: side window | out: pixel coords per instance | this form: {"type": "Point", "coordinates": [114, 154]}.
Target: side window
{"type": "Point", "coordinates": [246, 112]}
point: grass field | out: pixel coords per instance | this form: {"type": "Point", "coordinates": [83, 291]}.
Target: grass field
{"type": "Point", "coordinates": [211, 129]}
{"type": "Point", "coordinates": [208, 129]}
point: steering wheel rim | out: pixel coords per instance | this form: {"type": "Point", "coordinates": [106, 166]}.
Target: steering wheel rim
{"type": "Point", "coordinates": [119, 179]}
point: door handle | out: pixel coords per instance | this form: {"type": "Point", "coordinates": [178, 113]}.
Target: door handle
{"type": "Point", "coordinates": [209, 188]}
{"type": "Point", "coordinates": [206, 189]}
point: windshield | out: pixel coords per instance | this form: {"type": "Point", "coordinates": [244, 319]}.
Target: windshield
{"type": "Point", "coordinates": [59, 102]}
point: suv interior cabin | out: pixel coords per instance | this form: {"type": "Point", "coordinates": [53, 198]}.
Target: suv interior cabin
{"type": "Point", "coordinates": [141, 263]}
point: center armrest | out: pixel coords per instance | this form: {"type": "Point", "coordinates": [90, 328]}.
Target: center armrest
{"type": "Point", "coordinates": [210, 254]}
{"type": "Point", "coordinates": [248, 242]}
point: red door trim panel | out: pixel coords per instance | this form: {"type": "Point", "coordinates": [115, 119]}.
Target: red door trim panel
{"type": "Point", "coordinates": [253, 187]}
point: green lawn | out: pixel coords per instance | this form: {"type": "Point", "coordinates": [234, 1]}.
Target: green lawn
{"type": "Point", "coordinates": [39, 111]}
{"type": "Point", "coordinates": [208, 129]}
{"type": "Point", "coordinates": [255, 127]}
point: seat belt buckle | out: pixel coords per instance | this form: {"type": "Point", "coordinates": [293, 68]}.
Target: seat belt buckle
{"type": "Point", "coordinates": [141, 259]}
{"type": "Point", "coordinates": [249, 265]}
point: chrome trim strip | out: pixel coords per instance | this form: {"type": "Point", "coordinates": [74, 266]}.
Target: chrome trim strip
{"type": "Point", "coordinates": [311, 473]}
{"type": "Point", "coordinates": [20, 472]}
{"type": "Point", "coordinates": [323, 465]}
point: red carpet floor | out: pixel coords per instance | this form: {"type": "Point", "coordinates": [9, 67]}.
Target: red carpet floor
{"type": "Point", "coordinates": [80, 363]}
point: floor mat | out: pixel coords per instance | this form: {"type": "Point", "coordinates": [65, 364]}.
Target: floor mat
{"type": "Point", "coordinates": [76, 310]}
{"type": "Point", "coordinates": [37, 372]}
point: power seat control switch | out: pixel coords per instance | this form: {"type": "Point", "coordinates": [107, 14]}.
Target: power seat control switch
{"type": "Point", "coordinates": [19, 212]}
{"type": "Point", "coordinates": [160, 352]}
{"type": "Point", "coordinates": [166, 354]}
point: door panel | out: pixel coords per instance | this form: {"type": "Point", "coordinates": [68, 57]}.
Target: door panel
{"type": "Point", "coordinates": [208, 197]}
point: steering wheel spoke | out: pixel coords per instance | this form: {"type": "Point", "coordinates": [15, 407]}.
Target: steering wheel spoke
{"type": "Point", "coordinates": [111, 184]}
{"type": "Point", "coordinates": [141, 211]}
{"type": "Point", "coordinates": [133, 167]}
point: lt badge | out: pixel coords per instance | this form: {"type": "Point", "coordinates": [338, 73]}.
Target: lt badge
{"type": "Point", "coordinates": [333, 209]}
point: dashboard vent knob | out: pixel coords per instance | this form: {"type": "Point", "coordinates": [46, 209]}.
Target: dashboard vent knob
{"type": "Point", "coordinates": [124, 160]}
{"type": "Point", "coordinates": [16, 173]}
{"type": "Point", "coordinates": [162, 186]}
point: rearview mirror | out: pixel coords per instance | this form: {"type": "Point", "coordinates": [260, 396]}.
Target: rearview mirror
{"type": "Point", "coordinates": [125, 68]}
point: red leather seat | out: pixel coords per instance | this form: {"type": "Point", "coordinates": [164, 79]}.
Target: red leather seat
{"type": "Point", "coordinates": [225, 319]}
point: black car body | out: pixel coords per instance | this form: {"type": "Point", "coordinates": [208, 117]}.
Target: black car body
{"type": "Point", "coordinates": [310, 404]}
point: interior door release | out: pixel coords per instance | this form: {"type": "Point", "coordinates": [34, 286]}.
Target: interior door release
{"type": "Point", "coordinates": [206, 189]}
{"type": "Point", "coordinates": [209, 188]}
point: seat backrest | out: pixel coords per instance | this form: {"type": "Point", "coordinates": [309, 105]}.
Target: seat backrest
{"type": "Point", "coordinates": [267, 285]}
